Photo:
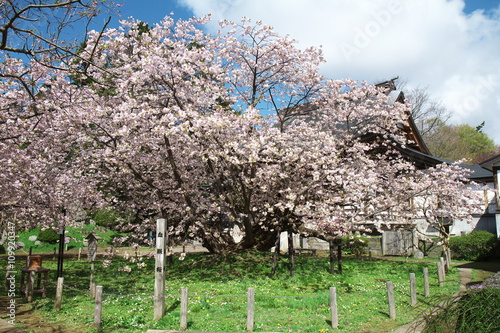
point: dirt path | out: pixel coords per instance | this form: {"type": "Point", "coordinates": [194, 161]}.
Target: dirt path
{"type": "Point", "coordinates": [465, 278]}
{"type": "Point", "coordinates": [27, 318]}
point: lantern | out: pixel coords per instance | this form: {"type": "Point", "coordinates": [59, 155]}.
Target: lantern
{"type": "Point", "coordinates": [92, 246]}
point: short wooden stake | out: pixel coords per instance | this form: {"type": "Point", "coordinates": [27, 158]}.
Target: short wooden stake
{"type": "Point", "coordinates": [250, 309]}
{"type": "Point", "coordinates": [333, 307]}
{"type": "Point", "coordinates": [291, 252]}
{"type": "Point", "coordinates": [426, 282]}
{"type": "Point", "coordinates": [390, 298]}
{"type": "Point", "coordinates": [59, 289]}
{"type": "Point", "coordinates": [79, 253]}
{"type": "Point", "coordinates": [443, 263]}
{"type": "Point", "coordinates": [184, 308]}
{"type": "Point", "coordinates": [440, 273]}
{"type": "Point", "coordinates": [98, 307]}
{"type": "Point", "coordinates": [413, 289]}
{"type": "Point", "coordinates": [30, 286]}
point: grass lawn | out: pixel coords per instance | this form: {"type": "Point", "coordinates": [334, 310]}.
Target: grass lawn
{"type": "Point", "coordinates": [218, 285]}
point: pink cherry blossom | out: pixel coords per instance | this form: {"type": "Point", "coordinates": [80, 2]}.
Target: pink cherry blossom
{"type": "Point", "coordinates": [215, 133]}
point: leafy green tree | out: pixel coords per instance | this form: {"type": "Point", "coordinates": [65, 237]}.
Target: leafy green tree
{"type": "Point", "coordinates": [455, 142]}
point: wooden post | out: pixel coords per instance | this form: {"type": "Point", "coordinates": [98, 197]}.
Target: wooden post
{"type": "Point", "coordinates": [30, 286]}
{"type": "Point", "coordinates": [159, 296]}
{"type": "Point", "coordinates": [413, 289]}
{"type": "Point", "coordinates": [79, 253]}
{"type": "Point", "coordinates": [445, 261]}
{"type": "Point", "coordinates": [250, 309]}
{"type": "Point", "coordinates": [275, 261]}
{"type": "Point", "coordinates": [291, 252]}
{"type": "Point", "coordinates": [184, 308]}
{"type": "Point", "coordinates": [98, 307]}
{"type": "Point", "coordinates": [426, 282]}
{"type": "Point", "coordinates": [92, 280]}
{"type": "Point", "coordinates": [390, 298]}
{"type": "Point", "coordinates": [440, 273]}
{"type": "Point", "coordinates": [333, 307]}
{"type": "Point", "coordinates": [445, 264]}
{"type": "Point", "coordinates": [276, 252]}
{"type": "Point", "coordinates": [59, 289]}
{"type": "Point", "coordinates": [60, 255]}
{"type": "Point", "coordinates": [384, 241]}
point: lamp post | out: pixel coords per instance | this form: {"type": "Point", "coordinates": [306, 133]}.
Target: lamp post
{"type": "Point", "coordinates": [91, 246]}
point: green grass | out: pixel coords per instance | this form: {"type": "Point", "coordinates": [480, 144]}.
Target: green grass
{"type": "Point", "coordinates": [218, 285]}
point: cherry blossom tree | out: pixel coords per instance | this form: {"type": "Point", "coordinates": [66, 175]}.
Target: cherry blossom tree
{"type": "Point", "coordinates": [452, 198]}
{"type": "Point", "coordinates": [33, 33]}
{"type": "Point", "coordinates": [213, 132]}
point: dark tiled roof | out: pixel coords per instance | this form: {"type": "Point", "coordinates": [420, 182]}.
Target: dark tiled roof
{"type": "Point", "coordinates": [477, 172]}
{"type": "Point", "coordinates": [488, 164]}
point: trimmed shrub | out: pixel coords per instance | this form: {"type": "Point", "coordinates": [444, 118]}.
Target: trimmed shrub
{"type": "Point", "coordinates": [105, 218]}
{"type": "Point", "coordinates": [355, 244]}
{"type": "Point", "coordinates": [48, 236]}
{"type": "Point", "coordinates": [476, 245]}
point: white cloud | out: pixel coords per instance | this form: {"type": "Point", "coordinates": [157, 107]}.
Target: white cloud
{"type": "Point", "coordinates": [431, 43]}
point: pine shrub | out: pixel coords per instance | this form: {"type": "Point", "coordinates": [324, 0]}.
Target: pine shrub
{"type": "Point", "coordinates": [355, 244]}
{"type": "Point", "coordinates": [48, 236]}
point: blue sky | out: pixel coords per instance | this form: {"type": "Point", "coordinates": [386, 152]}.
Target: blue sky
{"type": "Point", "coordinates": [155, 10]}
{"type": "Point", "coordinates": [471, 5]}
{"type": "Point", "coordinates": [450, 47]}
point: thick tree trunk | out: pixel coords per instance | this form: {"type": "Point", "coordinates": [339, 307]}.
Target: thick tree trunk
{"type": "Point", "coordinates": [264, 238]}
{"type": "Point", "coordinates": [332, 256]}
{"type": "Point", "coordinates": [259, 238]}
{"type": "Point", "coordinates": [222, 244]}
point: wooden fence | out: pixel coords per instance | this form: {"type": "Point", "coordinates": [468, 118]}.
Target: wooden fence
{"type": "Point", "coordinates": [184, 296]}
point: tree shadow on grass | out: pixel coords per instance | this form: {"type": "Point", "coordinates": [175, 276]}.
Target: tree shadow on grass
{"type": "Point", "coordinates": [489, 266]}
{"type": "Point", "coordinates": [172, 307]}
